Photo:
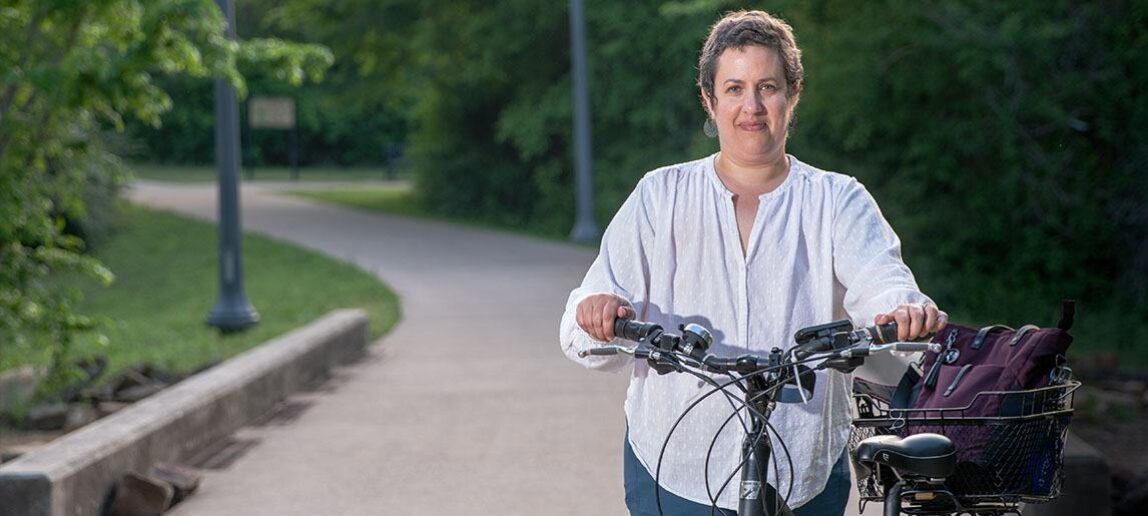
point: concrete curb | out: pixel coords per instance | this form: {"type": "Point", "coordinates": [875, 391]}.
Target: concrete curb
{"type": "Point", "coordinates": [72, 475]}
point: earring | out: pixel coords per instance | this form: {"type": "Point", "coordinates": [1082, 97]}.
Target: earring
{"type": "Point", "coordinates": [710, 128]}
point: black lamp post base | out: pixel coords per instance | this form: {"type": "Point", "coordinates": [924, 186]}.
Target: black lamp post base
{"type": "Point", "coordinates": [231, 318]}
{"type": "Point", "coordinates": [585, 232]}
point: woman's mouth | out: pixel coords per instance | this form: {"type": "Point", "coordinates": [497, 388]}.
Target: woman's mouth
{"type": "Point", "coordinates": [751, 126]}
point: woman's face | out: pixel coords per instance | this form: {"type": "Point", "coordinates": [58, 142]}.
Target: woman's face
{"type": "Point", "coordinates": [750, 105]}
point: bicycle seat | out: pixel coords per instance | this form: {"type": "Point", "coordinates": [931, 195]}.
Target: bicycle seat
{"type": "Point", "coordinates": [930, 455]}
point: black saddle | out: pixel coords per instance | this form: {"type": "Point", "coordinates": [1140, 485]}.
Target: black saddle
{"type": "Point", "coordinates": [929, 455]}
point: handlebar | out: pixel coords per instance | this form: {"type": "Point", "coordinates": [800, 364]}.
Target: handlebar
{"type": "Point", "coordinates": [830, 337]}
{"type": "Point", "coordinates": [765, 380]}
{"type": "Point", "coordinates": [835, 340]}
{"type": "Point", "coordinates": [630, 329]}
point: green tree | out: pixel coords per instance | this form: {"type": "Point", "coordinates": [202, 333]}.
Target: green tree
{"type": "Point", "coordinates": [355, 116]}
{"type": "Point", "coordinates": [1006, 142]}
{"type": "Point", "coordinates": [73, 71]}
{"type": "Point", "coordinates": [485, 91]}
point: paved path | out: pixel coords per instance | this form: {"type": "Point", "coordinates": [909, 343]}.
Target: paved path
{"type": "Point", "coordinates": [466, 407]}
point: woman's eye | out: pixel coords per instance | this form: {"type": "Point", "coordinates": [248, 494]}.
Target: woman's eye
{"type": "Point", "coordinates": [768, 87]}
{"type": "Point", "coordinates": [733, 89]}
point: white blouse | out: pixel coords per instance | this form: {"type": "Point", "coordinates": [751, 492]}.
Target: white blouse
{"type": "Point", "coordinates": [819, 251]}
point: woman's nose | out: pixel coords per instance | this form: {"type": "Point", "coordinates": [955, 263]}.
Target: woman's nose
{"type": "Point", "coordinates": [754, 103]}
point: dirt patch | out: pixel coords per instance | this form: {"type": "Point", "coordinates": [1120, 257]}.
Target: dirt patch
{"type": "Point", "coordinates": [1123, 442]}
{"type": "Point", "coordinates": [1112, 416]}
{"type": "Point", "coordinates": [14, 443]}
{"type": "Point", "coordinates": [77, 405]}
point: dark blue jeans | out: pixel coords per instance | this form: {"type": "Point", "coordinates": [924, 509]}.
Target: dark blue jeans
{"type": "Point", "coordinates": [641, 501]}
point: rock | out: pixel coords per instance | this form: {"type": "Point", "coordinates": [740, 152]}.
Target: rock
{"type": "Point", "coordinates": [99, 393]}
{"type": "Point", "coordinates": [17, 387]}
{"type": "Point", "coordinates": [159, 375]}
{"type": "Point", "coordinates": [130, 378]}
{"type": "Point", "coordinates": [91, 369]}
{"type": "Point", "coordinates": [138, 495]}
{"type": "Point", "coordinates": [51, 416]}
{"type": "Point", "coordinates": [183, 479]}
{"type": "Point", "coordinates": [107, 408]}
{"type": "Point", "coordinates": [138, 392]}
{"type": "Point", "coordinates": [79, 414]}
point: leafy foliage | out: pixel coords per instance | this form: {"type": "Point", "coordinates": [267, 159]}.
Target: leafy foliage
{"type": "Point", "coordinates": [1005, 141]}
{"type": "Point", "coordinates": [72, 72]}
{"type": "Point", "coordinates": [354, 116]}
{"type": "Point", "coordinates": [485, 90]}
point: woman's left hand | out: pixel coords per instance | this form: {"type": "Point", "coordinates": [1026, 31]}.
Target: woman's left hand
{"type": "Point", "coordinates": [915, 321]}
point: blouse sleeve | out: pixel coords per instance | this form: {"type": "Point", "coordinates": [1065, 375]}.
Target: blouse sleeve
{"type": "Point", "coordinates": [622, 269]}
{"type": "Point", "coordinates": [867, 262]}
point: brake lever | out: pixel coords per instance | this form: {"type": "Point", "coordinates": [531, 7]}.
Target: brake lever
{"type": "Point", "coordinates": [864, 350]}
{"type": "Point", "coordinates": [845, 364]}
{"type": "Point", "coordinates": [660, 361]}
{"type": "Point", "coordinates": [662, 366]}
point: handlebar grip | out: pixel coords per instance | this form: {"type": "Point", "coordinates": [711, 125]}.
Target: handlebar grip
{"type": "Point", "coordinates": [884, 333]}
{"type": "Point", "coordinates": [634, 330]}
{"type": "Point", "coordinates": [914, 347]}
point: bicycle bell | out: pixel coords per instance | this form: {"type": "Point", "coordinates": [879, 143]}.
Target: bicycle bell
{"type": "Point", "coordinates": [695, 336]}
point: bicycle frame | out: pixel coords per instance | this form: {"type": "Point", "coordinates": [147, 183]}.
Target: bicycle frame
{"type": "Point", "coordinates": [756, 496]}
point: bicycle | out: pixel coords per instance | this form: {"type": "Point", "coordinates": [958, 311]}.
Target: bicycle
{"type": "Point", "coordinates": [760, 378]}
{"type": "Point", "coordinates": [903, 457]}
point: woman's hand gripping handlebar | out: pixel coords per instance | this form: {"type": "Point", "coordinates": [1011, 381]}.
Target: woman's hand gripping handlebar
{"type": "Point", "coordinates": [847, 348]}
{"type": "Point", "coordinates": [596, 313]}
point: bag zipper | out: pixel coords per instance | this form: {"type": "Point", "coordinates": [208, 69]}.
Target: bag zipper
{"type": "Point", "coordinates": [950, 341]}
{"type": "Point", "coordinates": [961, 373]}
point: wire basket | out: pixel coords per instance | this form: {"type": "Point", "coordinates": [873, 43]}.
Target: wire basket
{"type": "Point", "coordinates": [1013, 457]}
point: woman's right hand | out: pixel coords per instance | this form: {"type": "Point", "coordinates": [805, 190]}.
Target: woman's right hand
{"type": "Point", "coordinates": [596, 314]}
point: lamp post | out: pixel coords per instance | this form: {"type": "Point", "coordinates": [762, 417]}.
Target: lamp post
{"type": "Point", "coordinates": [232, 312]}
{"type": "Point", "coordinates": [585, 229]}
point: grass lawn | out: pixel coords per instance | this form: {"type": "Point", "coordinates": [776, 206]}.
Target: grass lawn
{"type": "Point", "coordinates": [205, 173]}
{"type": "Point", "coordinates": [383, 199]}
{"type": "Point", "coordinates": [167, 283]}
{"type": "Point", "coordinates": [395, 201]}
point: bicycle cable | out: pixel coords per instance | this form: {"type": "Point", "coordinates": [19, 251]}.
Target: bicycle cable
{"type": "Point", "coordinates": [773, 459]}
{"type": "Point", "coordinates": [665, 443]}
{"type": "Point", "coordinates": [753, 411]}
{"type": "Point", "coordinates": [734, 381]}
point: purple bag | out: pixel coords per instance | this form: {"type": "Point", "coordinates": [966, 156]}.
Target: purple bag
{"type": "Point", "coordinates": [990, 359]}
{"type": "Point", "coordinates": [993, 358]}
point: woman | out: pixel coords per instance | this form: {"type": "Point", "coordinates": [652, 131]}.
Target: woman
{"type": "Point", "coordinates": [753, 244]}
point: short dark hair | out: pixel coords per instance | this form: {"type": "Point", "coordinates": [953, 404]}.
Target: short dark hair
{"type": "Point", "coordinates": [740, 29]}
